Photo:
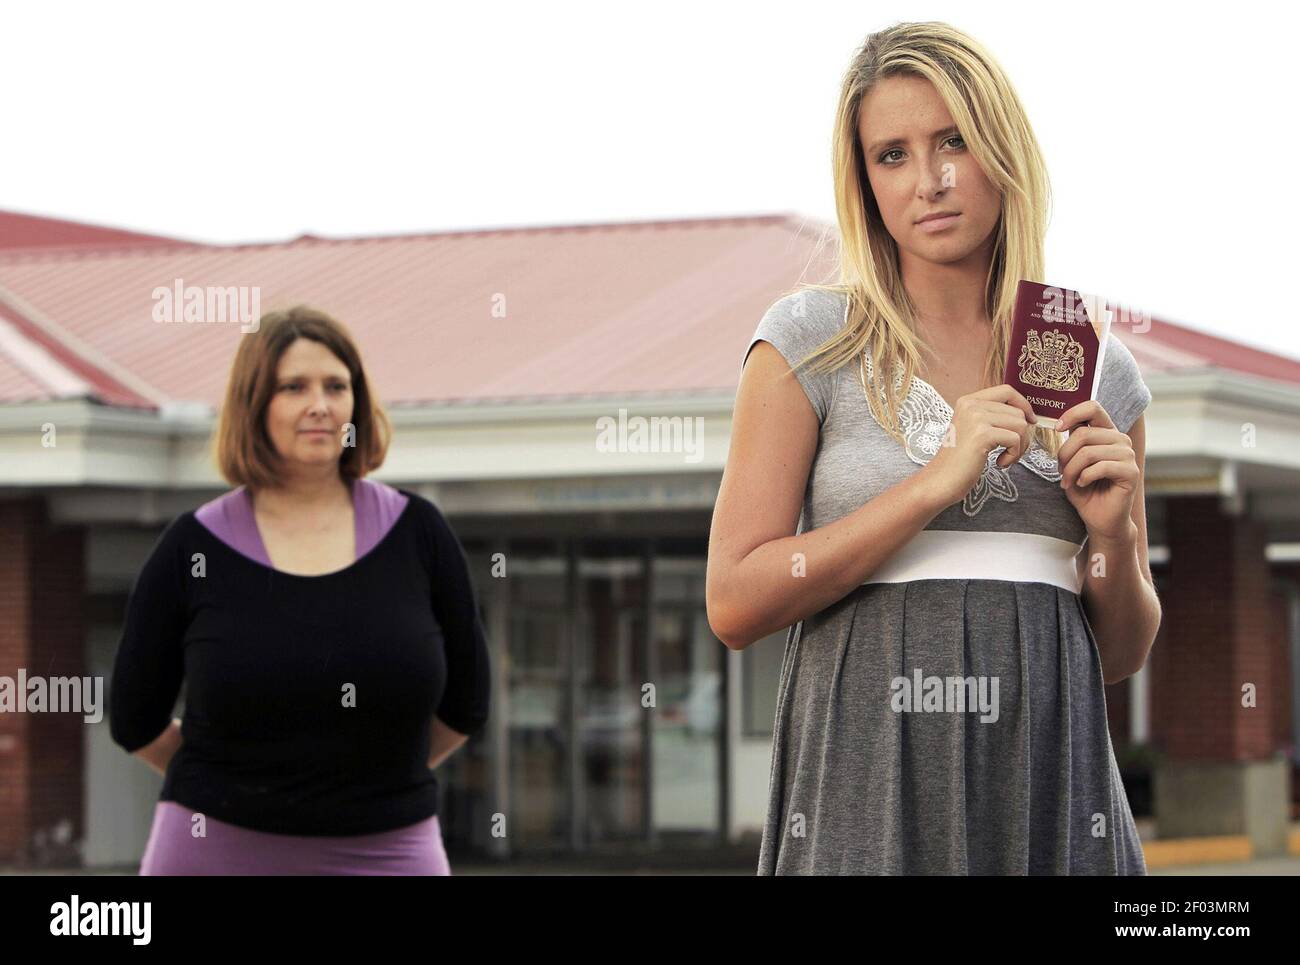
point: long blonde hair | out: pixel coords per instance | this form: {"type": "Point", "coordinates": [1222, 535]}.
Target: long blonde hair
{"type": "Point", "coordinates": [993, 123]}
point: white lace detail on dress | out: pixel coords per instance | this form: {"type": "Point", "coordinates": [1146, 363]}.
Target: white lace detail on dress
{"type": "Point", "coordinates": [924, 417]}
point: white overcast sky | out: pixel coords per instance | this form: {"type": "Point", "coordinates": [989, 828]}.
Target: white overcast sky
{"type": "Point", "coordinates": [1170, 130]}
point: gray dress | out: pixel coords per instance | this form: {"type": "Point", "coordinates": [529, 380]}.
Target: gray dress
{"type": "Point", "coordinates": [858, 787]}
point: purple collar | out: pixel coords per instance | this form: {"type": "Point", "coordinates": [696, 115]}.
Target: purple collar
{"type": "Point", "coordinates": [376, 507]}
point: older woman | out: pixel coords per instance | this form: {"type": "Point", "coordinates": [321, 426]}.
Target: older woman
{"type": "Point", "coordinates": [324, 626]}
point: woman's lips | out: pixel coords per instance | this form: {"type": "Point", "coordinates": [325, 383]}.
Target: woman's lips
{"type": "Point", "coordinates": [938, 224]}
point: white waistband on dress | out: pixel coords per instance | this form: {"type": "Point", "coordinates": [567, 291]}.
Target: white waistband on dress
{"type": "Point", "coordinates": [943, 554]}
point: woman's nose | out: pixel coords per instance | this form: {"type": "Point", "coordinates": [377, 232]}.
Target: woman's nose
{"type": "Point", "coordinates": [935, 178]}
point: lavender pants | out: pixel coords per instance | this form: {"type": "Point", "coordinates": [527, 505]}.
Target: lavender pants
{"type": "Point", "coordinates": [230, 850]}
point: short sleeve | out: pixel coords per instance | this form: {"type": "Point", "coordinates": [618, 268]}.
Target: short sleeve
{"type": "Point", "coordinates": [150, 665]}
{"type": "Point", "coordinates": [796, 325]}
{"type": "Point", "coordinates": [1122, 393]}
{"type": "Point", "coordinates": [464, 706]}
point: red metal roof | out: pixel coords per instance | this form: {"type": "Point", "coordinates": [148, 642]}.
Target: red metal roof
{"type": "Point", "coordinates": [32, 231]}
{"type": "Point", "coordinates": [1168, 346]}
{"type": "Point", "coordinates": [650, 308]}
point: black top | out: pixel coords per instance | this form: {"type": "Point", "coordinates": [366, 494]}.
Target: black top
{"type": "Point", "coordinates": [309, 699]}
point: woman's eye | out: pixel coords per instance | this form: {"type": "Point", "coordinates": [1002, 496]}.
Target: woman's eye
{"type": "Point", "coordinates": [955, 137]}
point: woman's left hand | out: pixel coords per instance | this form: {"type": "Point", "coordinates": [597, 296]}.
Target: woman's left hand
{"type": "Point", "coordinates": [1098, 470]}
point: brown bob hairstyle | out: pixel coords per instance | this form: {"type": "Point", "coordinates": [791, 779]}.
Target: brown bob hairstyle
{"type": "Point", "coordinates": [242, 449]}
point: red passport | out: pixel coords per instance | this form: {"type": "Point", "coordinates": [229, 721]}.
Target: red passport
{"type": "Point", "coordinates": [1058, 342]}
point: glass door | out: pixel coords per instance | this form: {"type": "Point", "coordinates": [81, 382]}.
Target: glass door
{"type": "Point", "coordinates": [688, 723]}
{"type": "Point", "coordinates": [611, 723]}
{"type": "Point", "coordinates": [538, 734]}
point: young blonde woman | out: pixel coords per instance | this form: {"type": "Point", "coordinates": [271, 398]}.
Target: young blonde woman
{"type": "Point", "coordinates": [958, 582]}
{"type": "Point", "coordinates": [324, 627]}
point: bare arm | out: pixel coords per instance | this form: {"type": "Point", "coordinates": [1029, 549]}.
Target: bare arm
{"type": "Point", "coordinates": [444, 743]}
{"type": "Point", "coordinates": [158, 754]}
{"type": "Point", "coordinates": [751, 587]}
{"type": "Point", "coordinates": [1123, 608]}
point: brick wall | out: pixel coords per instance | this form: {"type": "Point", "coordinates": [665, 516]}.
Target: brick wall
{"type": "Point", "coordinates": [42, 629]}
{"type": "Point", "coordinates": [1218, 633]}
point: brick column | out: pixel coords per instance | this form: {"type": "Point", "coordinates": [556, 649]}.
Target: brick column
{"type": "Point", "coordinates": [42, 586]}
{"type": "Point", "coordinates": [1222, 771]}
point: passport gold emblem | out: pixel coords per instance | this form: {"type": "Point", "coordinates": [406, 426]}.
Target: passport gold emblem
{"type": "Point", "coordinates": [1054, 362]}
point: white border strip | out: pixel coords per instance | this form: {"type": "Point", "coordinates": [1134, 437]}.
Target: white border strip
{"type": "Point", "coordinates": [962, 555]}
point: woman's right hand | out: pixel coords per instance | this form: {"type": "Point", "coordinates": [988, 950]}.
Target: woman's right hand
{"type": "Point", "coordinates": [158, 754]}
{"type": "Point", "coordinates": [982, 421]}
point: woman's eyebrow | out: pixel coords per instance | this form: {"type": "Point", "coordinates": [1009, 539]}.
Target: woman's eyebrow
{"type": "Point", "coordinates": [902, 140]}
